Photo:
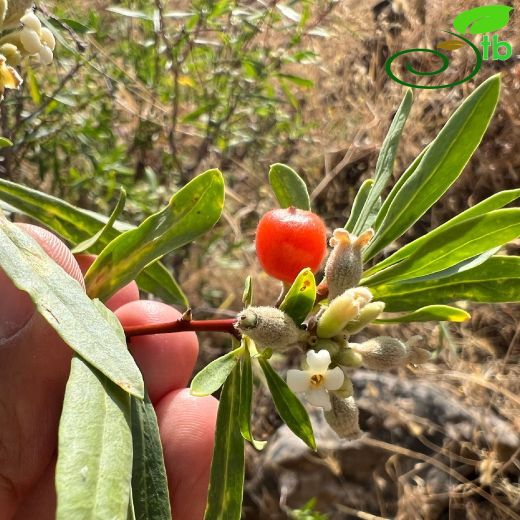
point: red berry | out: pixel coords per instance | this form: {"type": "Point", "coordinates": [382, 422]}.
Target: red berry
{"type": "Point", "coordinates": [289, 240]}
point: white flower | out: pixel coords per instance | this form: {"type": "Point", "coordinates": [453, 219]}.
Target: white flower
{"type": "Point", "coordinates": [315, 382]}
{"type": "Point", "coordinates": [37, 39]}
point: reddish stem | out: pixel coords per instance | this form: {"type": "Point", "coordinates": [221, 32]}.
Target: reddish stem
{"type": "Point", "coordinates": [182, 325]}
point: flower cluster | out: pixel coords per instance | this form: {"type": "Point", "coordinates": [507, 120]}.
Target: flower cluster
{"type": "Point", "coordinates": [23, 36]}
{"type": "Point", "coordinates": [323, 380]}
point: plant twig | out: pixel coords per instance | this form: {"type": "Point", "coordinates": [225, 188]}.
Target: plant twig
{"type": "Point", "coordinates": [182, 325]}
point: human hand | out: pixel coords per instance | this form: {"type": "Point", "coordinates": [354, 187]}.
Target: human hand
{"type": "Point", "coordinates": [34, 366]}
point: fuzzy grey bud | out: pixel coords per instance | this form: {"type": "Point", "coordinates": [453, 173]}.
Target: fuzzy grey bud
{"type": "Point", "coordinates": [345, 265]}
{"type": "Point", "coordinates": [269, 327]}
{"type": "Point", "coordinates": [382, 353]}
{"type": "Point", "coordinates": [343, 418]}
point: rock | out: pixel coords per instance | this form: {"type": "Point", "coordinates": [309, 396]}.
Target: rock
{"type": "Point", "coordinates": [421, 443]}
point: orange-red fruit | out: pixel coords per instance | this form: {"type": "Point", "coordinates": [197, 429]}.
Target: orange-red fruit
{"type": "Point", "coordinates": [289, 240]}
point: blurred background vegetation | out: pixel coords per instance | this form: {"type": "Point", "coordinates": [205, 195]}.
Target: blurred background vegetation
{"type": "Point", "coordinates": [146, 94]}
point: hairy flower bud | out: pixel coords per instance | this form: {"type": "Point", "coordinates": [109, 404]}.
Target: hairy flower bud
{"type": "Point", "coordinates": [345, 266]}
{"type": "Point", "coordinates": [382, 353]}
{"type": "Point", "coordinates": [343, 418]}
{"type": "Point", "coordinates": [342, 310]}
{"type": "Point", "coordinates": [369, 313]}
{"type": "Point", "coordinates": [269, 327]}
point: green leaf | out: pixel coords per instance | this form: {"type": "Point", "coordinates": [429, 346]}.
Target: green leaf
{"type": "Point", "coordinates": [359, 202]}
{"type": "Point", "coordinates": [157, 280]}
{"type": "Point", "coordinates": [300, 298]}
{"type": "Point", "coordinates": [213, 376]}
{"type": "Point", "coordinates": [130, 13]}
{"type": "Point", "coordinates": [430, 313]}
{"type": "Point", "coordinates": [385, 161]}
{"type": "Point", "coordinates": [192, 211]}
{"type": "Point", "coordinates": [484, 19]}
{"type": "Point", "coordinates": [227, 468]}
{"type": "Point", "coordinates": [149, 483]}
{"type": "Point", "coordinates": [452, 245]}
{"type": "Point", "coordinates": [63, 303]}
{"type": "Point", "coordinates": [289, 12]}
{"type": "Point", "coordinates": [34, 89]}
{"type": "Point", "coordinates": [90, 242]}
{"type": "Point", "coordinates": [496, 280]}
{"type": "Point", "coordinates": [442, 163]}
{"type": "Point", "coordinates": [94, 467]}
{"type": "Point", "coordinates": [496, 201]}
{"type": "Point", "coordinates": [397, 188]}
{"type": "Point", "coordinates": [72, 24]}
{"type": "Point", "coordinates": [5, 143]}
{"type": "Point", "coordinates": [246, 398]}
{"type": "Point", "coordinates": [288, 187]}
{"type": "Point", "coordinates": [75, 225]}
{"type": "Point", "coordinates": [247, 296]}
{"type": "Point", "coordinates": [297, 80]}
{"type": "Point", "coordinates": [288, 406]}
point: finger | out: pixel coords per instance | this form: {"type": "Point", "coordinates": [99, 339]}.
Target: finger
{"type": "Point", "coordinates": [187, 427]}
{"type": "Point", "coordinates": [34, 365]}
{"type": "Point", "coordinates": [166, 360]}
{"type": "Point", "coordinates": [128, 293]}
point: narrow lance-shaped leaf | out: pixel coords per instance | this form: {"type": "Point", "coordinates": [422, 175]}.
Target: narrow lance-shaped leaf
{"type": "Point", "coordinates": [496, 201]}
{"type": "Point", "coordinates": [460, 267]}
{"type": "Point", "coordinates": [75, 225]}
{"type": "Point", "coordinates": [496, 280]}
{"type": "Point", "coordinates": [149, 483]}
{"type": "Point", "coordinates": [63, 303]}
{"type": "Point", "coordinates": [357, 205]}
{"type": "Point", "coordinates": [94, 467]}
{"type": "Point", "coordinates": [227, 468]}
{"type": "Point", "coordinates": [288, 406]}
{"type": "Point", "coordinates": [454, 244]}
{"type": "Point", "coordinates": [442, 163]}
{"type": "Point", "coordinates": [385, 161]}
{"type": "Point", "coordinates": [299, 300]}
{"type": "Point", "coordinates": [213, 376]}
{"type": "Point", "coordinates": [383, 210]}
{"type": "Point", "coordinates": [289, 187]}
{"type": "Point", "coordinates": [246, 397]}
{"type": "Point", "coordinates": [430, 313]}
{"type": "Point", "coordinates": [87, 244]}
{"type": "Point", "coordinates": [192, 211]}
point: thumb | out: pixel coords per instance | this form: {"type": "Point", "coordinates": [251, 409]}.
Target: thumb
{"type": "Point", "coordinates": [16, 308]}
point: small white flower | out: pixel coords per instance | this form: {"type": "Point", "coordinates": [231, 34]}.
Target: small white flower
{"type": "Point", "coordinates": [35, 39]}
{"type": "Point", "coordinates": [30, 40]}
{"type": "Point", "coordinates": [315, 382]}
{"type": "Point", "coordinates": [31, 21]}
